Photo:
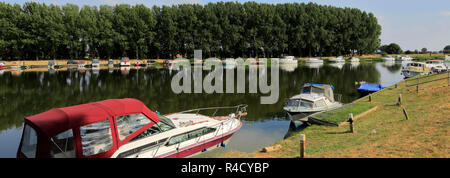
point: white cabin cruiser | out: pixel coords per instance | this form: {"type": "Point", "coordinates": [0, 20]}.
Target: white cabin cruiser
{"type": "Point", "coordinates": [353, 59]}
{"type": "Point", "coordinates": [436, 66]}
{"type": "Point", "coordinates": [314, 60]}
{"type": "Point", "coordinates": [313, 98]}
{"type": "Point", "coordinates": [288, 60]}
{"type": "Point", "coordinates": [124, 128]}
{"type": "Point", "coordinates": [404, 58]}
{"type": "Point", "coordinates": [338, 59]}
{"type": "Point", "coordinates": [388, 58]}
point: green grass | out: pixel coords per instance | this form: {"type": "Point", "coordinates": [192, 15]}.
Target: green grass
{"type": "Point", "coordinates": [384, 132]}
{"type": "Point", "coordinates": [341, 114]}
{"type": "Point", "coordinates": [426, 58]}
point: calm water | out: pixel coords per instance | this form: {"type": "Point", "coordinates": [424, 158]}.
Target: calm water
{"type": "Point", "coordinates": [28, 93]}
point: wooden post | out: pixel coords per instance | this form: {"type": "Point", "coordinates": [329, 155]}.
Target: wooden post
{"type": "Point", "coordinates": [302, 145]}
{"type": "Point", "coordinates": [395, 85]}
{"type": "Point", "coordinates": [399, 103]}
{"type": "Point", "coordinates": [350, 120]}
{"type": "Point", "coordinates": [370, 97]}
{"type": "Point", "coordinates": [405, 113]}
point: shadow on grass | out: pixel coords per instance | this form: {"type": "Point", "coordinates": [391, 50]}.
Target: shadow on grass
{"type": "Point", "coordinates": [343, 132]}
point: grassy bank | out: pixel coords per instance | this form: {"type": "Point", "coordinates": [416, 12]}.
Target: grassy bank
{"type": "Point", "coordinates": [341, 115]}
{"type": "Point", "coordinates": [384, 132]}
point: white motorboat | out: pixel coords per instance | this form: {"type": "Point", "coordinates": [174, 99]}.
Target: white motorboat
{"type": "Point", "coordinates": [125, 61]}
{"type": "Point", "coordinates": [388, 58]}
{"type": "Point", "coordinates": [125, 128]}
{"type": "Point", "coordinates": [353, 59]}
{"type": "Point", "coordinates": [314, 60]}
{"type": "Point", "coordinates": [313, 98]}
{"type": "Point", "coordinates": [436, 66]}
{"type": "Point", "coordinates": [337, 59]}
{"type": "Point", "coordinates": [288, 60]}
{"type": "Point", "coordinates": [404, 58]}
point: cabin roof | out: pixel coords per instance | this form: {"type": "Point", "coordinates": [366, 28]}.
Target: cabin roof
{"type": "Point", "coordinates": [57, 120]}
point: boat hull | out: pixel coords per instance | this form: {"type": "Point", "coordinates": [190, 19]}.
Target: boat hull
{"type": "Point", "coordinates": [199, 147]}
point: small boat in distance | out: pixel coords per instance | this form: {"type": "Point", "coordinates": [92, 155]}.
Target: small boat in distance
{"type": "Point", "coordinates": [314, 60]}
{"type": "Point", "coordinates": [288, 60]}
{"type": "Point", "coordinates": [95, 63]}
{"type": "Point", "coordinates": [125, 128]}
{"type": "Point", "coordinates": [366, 88]}
{"type": "Point", "coordinates": [124, 61]}
{"type": "Point", "coordinates": [404, 58]}
{"type": "Point", "coordinates": [388, 58]}
{"type": "Point", "coordinates": [110, 63]}
{"type": "Point", "coordinates": [2, 65]}
{"type": "Point", "coordinates": [337, 59]}
{"type": "Point", "coordinates": [313, 98]}
{"type": "Point", "coordinates": [353, 59]}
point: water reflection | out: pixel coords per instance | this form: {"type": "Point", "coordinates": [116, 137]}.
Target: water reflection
{"type": "Point", "coordinates": [265, 124]}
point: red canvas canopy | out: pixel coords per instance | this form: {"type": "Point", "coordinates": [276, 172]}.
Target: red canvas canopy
{"type": "Point", "coordinates": [57, 120]}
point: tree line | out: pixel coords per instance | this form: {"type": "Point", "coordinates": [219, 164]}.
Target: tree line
{"type": "Point", "coordinates": [222, 29]}
{"type": "Point", "coordinates": [394, 48]}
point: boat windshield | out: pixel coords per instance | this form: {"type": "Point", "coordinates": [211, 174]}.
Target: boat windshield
{"type": "Point", "coordinates": [306, 104]}
{"type": "Point", "coordinates": [165, 123]}
{"type": "Point", "coordinates": [293, 103]}
{"type": "Point", "coordinates": [415, 64]}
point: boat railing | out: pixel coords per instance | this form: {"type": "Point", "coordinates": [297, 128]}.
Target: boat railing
{"type": "Point", "coordinates": [338, 96]}
{"type": "Point", "coordinates": [242, 108]}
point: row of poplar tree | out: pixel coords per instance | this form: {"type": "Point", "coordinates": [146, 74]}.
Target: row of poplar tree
{"type": "Point", "coordinates": [223, 29]}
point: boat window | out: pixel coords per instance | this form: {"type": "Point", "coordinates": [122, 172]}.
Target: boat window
{"type": "Point", "coordinates": [165, 124]}
{"type": "Point", "coordinates": [293, 103]}
{"type": "Point", "coordinates": [190, 135]}
{"type": "Point", "coordinates": [150, 131]}
{"type": "Point", "coordinates": [61, 145]}
{"type": "Point", "coordinates": [306, 90]}
{"type": "Point", "coordinates": [96, 138]}
{"type": "Point", "coordinates": [29, 142]}
{"type": "Point", "coordinates": [128, 124]}
{"type": "Point", "coordinates": [317, 90]}
{"type": "Point", "coordinates": [306, 104]}
{"type": "Point", "coordinates": [319, 103]}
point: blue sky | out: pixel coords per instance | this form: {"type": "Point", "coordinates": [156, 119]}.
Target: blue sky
{"type": "Point", "coordinates": [413, 24]}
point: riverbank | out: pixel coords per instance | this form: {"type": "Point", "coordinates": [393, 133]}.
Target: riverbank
{"type": "Point", "coordinates": [383, 133]}
{"type": "Point", "coordinates": [369, 57]}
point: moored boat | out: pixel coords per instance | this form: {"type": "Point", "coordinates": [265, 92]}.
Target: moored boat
{"type": "Point", "coordinates": [366, 88]}
{"type": "Point", "coordinates": [2, 65]}
{"type": "Point", "coordinates": [124, 128]}
{"type": "Point", "coordinates": [313, 98]}
{"type": "Point", "coordinates": [436, 66]}
{"type": "Point", "coordinates": [95, 63]}
{"type": "Point", "coordinates": [124, 61]}
{"type": "Point", "coordinates": [288, 60]}
{"type": "Point", "coordinates": [413, 69]}
{"type": "Point", "coordinates": [337, 59]}
{"type": "Point", "coordinates": [388, 58]}
{"type": "Point", "coordinates": [353, 60]}
{"type": "Point", "coordinates": [314, 60]}
{"type": "Point", "coordinates": [404, 58]}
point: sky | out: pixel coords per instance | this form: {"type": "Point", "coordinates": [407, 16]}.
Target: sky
{"type": "Point", "coordinates": [413, 24]}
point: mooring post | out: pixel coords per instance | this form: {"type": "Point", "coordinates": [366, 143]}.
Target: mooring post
{"type": "Point", "coordinates": [370, 97]}
{"type": "Point", "coordinates": [399, 103]}
{"type": "Point", "coordinates": [302, 145]}
{"type": "Point", "coordinates": [350, 120]}
{"type": "Point", "coordinates": [395, 85]}
{"type": "Point", "coordinates": [405, 113]}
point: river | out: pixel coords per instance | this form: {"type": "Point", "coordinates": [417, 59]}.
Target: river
{"type": "Point", "coordinates": [26, 93]}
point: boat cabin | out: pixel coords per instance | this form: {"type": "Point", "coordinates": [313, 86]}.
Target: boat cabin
{"type": "Point", "coordinates": [89, 130]}
{"type": "Point", "coordinates": [319, 90]}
